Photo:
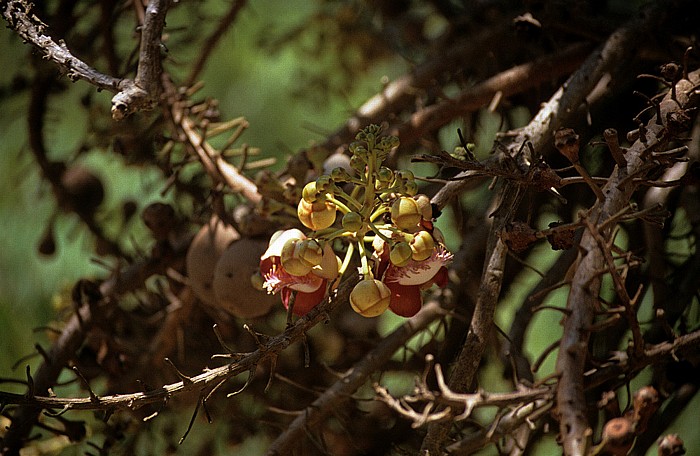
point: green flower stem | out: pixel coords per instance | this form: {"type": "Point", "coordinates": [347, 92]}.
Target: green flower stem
{"type": "Point", "coordinates": [383, 209]}
{"type": "Point", "coordinates": [346, 260]}
{"type": "Point", "coordinates": [366, 272]}
{"type": "Point", "coordinates": [331, 233]}
{"type": "Point", "coordinates": [380, 234]}
{"type": "Point", "coordinates": [368, 205]}
{"type": "Point", "coordinates": [390, 190]}
{"type": "Point", "coordinates": [349, 199]}
{"type": "Point", "coordinates": [339, 204]}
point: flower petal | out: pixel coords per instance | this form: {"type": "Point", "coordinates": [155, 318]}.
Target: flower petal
{"type": "Point", "coordinates": [419, 272]}
{"type": "Point", "coordinates": [406, 301]}
{"type": "Point", "coordinates": [278, 240]}
{"type": "Point", "coordinates": [328, 269]}
{"type": "Point", "coordinates": [303, 302]}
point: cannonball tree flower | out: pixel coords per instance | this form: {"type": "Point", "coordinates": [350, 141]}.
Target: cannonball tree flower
{"type": "Point", "coordinates": [310, 269]}
{"type": "Point", "coordinates": [407, 279]}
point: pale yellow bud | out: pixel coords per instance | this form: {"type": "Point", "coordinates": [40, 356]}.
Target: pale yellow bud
{"type": "Point", "coordinates": [299, 257]}
{"type": "Point", "coordinates": [310, 193]}
{"type": "Point", "coordinates": [423, 203]}
{"type": "Point", "coordinates": [316, 216]}
{"type": "Point", "coordinates": [352, 221]}
{"type": "Point", "coordinates": [370, 298]}
{"type": "Point", "coordinates": [401, 254]}
{"type": "Point", "coordinates": [422, 245]}
{"type": "Point", "coordinates": [405, 213]}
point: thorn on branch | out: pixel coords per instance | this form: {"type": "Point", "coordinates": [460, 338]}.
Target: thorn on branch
{"type": "Point", "coordinates": [200, 402]}
{"type": "Point", "coordinates": [184, 378]}
{"type": "Point", "coordinates": [618, 153]}
{"type": "Point", "coordinates": [30, 383]}
{"type": "Point", "coordinates": [568, 144]}
{"type": "Point", "coordinates": [93, 397]}
{"type": "Point", "coordinates": [251, 375]}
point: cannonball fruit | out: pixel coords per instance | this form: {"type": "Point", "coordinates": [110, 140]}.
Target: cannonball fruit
{"type": "Point", "coordinates": [234, 291]}
{"type": "Point", "coordinates": [84, 190]}
{"type": "Point", "coordinates": [203, 254]}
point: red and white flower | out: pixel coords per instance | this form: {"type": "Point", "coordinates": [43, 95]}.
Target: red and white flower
{"type": "Point", "coordinates": [310, 287]}
{"type": "Point", "coordinates": [408, 280]}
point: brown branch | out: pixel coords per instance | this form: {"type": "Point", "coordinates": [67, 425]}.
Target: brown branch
{"type": "Point", "coordinates": [516, 407]}
{"type": "Point", "coordinates": [621, 365]}
{"type": "Point", "coordinates": [212, 161]}
{"type": "Point", "coordinates": [539, 132]}
{"type": "Point", "coordinates": [467, 362]}
{"type": "Point", "coordinates": [53, 171]}
{"type": "Point", "coordinates": [131, 95]}
{"type": "Point", "coordinates": [71, 338]}
{"type": "Point", "coordinates": [586, 282]}
{"type": "Point", "coordinates": [461, 406]}
{"type": "Point", "coordinates": [18, 15]}
{"type": "Point", "coordinates": [324, 406]}
{"type": "Point", "coordinates": [401, 93]}
{"type": "Point", "coordinates": [144, 91]}
{"type": "Point", "coordinates": [210, 377]}
{"type": "Point", "coordinates": [509, 82]}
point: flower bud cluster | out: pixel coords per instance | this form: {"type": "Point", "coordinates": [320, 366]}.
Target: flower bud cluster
{"type": "Point", "coordinates": [383, 219]}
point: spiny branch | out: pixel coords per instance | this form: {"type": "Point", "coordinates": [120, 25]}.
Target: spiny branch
{"type": "Point", "coordinates": [586, 282]}
{"type": "Point", "coordinates": [201, 382]}
{"type": "Point", "coordinates": [18, 15]}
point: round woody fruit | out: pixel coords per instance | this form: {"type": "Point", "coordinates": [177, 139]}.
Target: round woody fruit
{"type": "Point", "coordinates": [83, 190]}
{"type": "Point", "coordinates": [204, 252]}
{"type": "Point", "coordinates": [233, 288]}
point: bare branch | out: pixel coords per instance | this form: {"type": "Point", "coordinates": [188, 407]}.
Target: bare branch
{"type": "Point", "coordinates": [206, 379]}
{"type": "Point", "coordinates": [586, 282]}
{"type": "Point", "coordinates": [144, 92]}
{"type": "Point", "coordinates": [18, 15]}
{"type": "Point", "coordinates": [322, 407]}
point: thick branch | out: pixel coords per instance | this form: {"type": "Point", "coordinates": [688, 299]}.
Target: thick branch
{"type": "Point", "coordinates": [208, 378]}
{"type": "Point", "coordinates": [585, 287]}
{"type": "Point", "coordinates": [70, 340]}
{"type": "Point", "coordinates": [18, 15]}
{"type": "Point", "coordinates": [506, 83]}
{"type": "Point", "coordinates": [467, 362]}
{"type": "Point", "coordinates": [143, 92]}
{"type": "Point", "coordinates": [623, 366]}
{"type": "Point", "coordinates": [324, 406]}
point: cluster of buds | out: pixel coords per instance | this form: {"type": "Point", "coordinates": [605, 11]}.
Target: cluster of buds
{"type": "Point", "coordinates": [383, 220]}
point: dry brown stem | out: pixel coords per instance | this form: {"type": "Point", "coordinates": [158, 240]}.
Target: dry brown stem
{"type": "Point", "coordinates": [244, 362]}
{"type": "Point", "coordinates": [332, 397]}
{"type": "Point", "coordinates": [18, 15]}
{"type": "Point", "coordinates": [586, 282]}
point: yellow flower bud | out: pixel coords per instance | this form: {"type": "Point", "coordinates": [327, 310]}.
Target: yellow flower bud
{"type": "Point", "coordinates": [422, 245]}
{"type": "Point", "coordinates": [299, 257]}
{"type": "Point", "coordinates": [352, 221]}
{"type": "Point", "coordinates": [401, 254]}
{"type": "Point", "coordinates": [370, 298]}
{"type": "Point", "coordinates": [423, 203]}
{"type": "Point", "coordinates": [329, 265]}
{"type": "Point", "coordinates": [310, 193]}
{"type": "Point", "coordinates": [410, 188]}
{"type": "Point", "coordinates": [316, 216]}
{"type": "Point", "coordinates": [405, 213]}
